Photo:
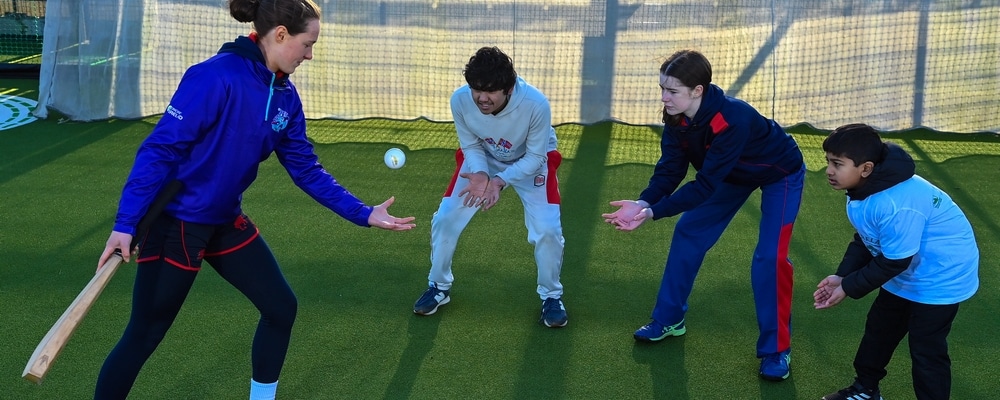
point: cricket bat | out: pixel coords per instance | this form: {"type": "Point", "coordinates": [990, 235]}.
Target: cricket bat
{"type": "Point", "coordinates": [54, 341]}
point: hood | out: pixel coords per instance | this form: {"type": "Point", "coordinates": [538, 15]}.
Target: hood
{"type": "Point", "coordinates": [246, 47]}
{"type": "Point", "coordinates": [894, 166]}
{"type": "Point", "coordinates": [516, 97]}
{"type": "Point", "coordinates": [711, 103]}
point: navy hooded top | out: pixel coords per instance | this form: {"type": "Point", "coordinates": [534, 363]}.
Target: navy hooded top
{"type": "Point", "coordinates": [726, 141]}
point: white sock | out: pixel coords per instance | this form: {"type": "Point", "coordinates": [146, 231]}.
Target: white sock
{"type": "Point", "coordinates": [262, 391]}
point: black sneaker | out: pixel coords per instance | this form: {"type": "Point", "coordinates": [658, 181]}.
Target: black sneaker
{"type": "Point", "coordinates": [855, 392]}
{"type": "Point", "coordinates": [429, 302]}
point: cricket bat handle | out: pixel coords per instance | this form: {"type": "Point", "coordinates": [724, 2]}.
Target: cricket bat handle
{"type": "Point", "coordinates": [53, 342]}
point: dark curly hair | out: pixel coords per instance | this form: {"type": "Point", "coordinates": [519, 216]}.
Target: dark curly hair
{"type": "Point", "coordinates": [490, 70]}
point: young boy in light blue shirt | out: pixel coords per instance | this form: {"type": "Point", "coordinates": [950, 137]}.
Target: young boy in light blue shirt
{"type": "Point", "coordinates": [915, 244]}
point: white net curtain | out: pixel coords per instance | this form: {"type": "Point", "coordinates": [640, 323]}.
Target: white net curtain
{"type": "Point", "coordinates": [892, 64]}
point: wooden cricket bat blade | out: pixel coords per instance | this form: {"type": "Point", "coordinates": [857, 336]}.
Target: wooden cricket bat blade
{"type": "Point", "coordinates": [54, 341]}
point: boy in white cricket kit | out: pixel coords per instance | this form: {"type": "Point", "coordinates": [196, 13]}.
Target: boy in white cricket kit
{"type": "Point", "coordinates": [504, 128]}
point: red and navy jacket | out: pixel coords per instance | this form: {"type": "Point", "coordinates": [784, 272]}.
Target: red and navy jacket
{"type": "Point", "coordinates": [229, 113]}
{"type": "Point", "coordinates": [726, 141]}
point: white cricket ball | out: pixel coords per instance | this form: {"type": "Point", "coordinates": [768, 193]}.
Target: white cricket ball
{"type": "Point", "coordinates": [395, 158]}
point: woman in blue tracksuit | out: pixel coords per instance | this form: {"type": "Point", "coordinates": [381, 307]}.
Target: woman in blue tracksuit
{"type": "Point", "coordinates": [229, 114]}
{"type": "Point", "coordinates": [735, 151]}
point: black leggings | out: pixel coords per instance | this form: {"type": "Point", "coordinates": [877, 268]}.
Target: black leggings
{"type": "Point", "coordinates": [160, 290]}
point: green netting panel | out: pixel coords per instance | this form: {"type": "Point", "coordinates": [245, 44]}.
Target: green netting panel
{"type": "Point", "coordinates": [21, 26]}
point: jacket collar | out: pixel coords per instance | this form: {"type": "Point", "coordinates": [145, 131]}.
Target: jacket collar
{"type": "Point", "coordinates": [246, 47]}
{"type": "Point", "coordinates": [894, 166]}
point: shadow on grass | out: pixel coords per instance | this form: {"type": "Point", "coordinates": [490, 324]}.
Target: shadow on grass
{"type": "Point", "coordinates": [667, 373]}
{"type": "Point", "coordinates": [579, 198]}
{"type": "Point", "coordinates": [420, 333]}
{"type": "Point", "coordinates": [37, 144]}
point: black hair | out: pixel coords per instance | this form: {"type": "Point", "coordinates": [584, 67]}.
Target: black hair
{"type": "Point", "coordinates": [859, 142]}
{"type": "Point", "coordinates": [265, 15]}
{"type": "Point", "coordinates": [689, 67]}
{"type": "Point", "coordinates": [490, 70]}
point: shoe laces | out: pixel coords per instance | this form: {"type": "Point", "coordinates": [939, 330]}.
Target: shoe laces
{"type": "Point", "coordinates": [551, 304]}
{"type": "Point", "coordinates": [857, 389]}
{"type": "Point", "coordinates": [655, 326]}
{"type": "Point", "coordinates": [777, 358]}
{"type": "Point", "coordinates": [434, 294]}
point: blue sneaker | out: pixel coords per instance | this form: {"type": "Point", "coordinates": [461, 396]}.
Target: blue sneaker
{"type": "Point", "coordinates": [775, 366]}
{"type": "Point", "coordinates": [553, 313]}
{"type": "Point", "coordinates": [655, 331]}
{"type": "Point", "coordinates": [429, 302]}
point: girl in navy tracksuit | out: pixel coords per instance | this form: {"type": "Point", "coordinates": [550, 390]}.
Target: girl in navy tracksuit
{"type": "Point", "coordinates": [228, 114]}
{"type": "Point", "coordinates": [735, 151]}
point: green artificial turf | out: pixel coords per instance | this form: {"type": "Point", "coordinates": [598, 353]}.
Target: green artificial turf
{"type": "Point", "coordinates": [355, 335]}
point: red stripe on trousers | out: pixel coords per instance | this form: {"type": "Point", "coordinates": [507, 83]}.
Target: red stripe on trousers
{"type": "Point", "coordinates": [459, 159]}
{"type": "Point", "coordinates": [552, 181]}
{"type": "Point", "coordinates": [784, 286]}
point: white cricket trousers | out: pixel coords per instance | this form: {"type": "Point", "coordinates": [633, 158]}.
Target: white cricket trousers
{"type": "Point", "coordinates": [540, 196]}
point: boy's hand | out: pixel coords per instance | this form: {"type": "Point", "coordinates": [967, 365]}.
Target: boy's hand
{"type": "Point", "coordinates": [829, 292]}
{"type": "Point", "coordinates": [492, 195]}
{"type": "Point", "coordinates": [475, 192]}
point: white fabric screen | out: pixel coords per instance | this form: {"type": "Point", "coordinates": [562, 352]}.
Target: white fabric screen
{"type": "Point", "coordinates": [892, 64]}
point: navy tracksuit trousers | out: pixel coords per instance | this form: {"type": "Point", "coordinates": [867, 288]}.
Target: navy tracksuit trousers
{"type": "Point", "coordinates": [699, 229]}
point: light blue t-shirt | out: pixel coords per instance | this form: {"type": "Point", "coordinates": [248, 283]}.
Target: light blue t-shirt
{"type": "Point", "coordinates": [915, 218]}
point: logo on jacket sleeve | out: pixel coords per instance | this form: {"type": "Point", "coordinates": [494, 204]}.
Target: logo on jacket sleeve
{"type": "Point", "coordinates": [280, 120]}
{"type": "Point", "coordinates": [173, 112]}
{"type": "Point", "coordinates": [539, 180]}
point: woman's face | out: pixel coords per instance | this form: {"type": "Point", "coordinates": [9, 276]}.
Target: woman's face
{"type": "Point", "coordinates": [678, 98]}
{"type": "Point", "coordinates": [289, 50]}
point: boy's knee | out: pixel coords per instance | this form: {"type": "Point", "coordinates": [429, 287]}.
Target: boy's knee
{"type": "Point", "coordinates": [548, 234]}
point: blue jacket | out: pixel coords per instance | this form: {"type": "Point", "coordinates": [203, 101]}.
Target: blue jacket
{"type": "Point", "coordinates": [726, 141]}
{"type": "Point", "coordinates": [228, 115]}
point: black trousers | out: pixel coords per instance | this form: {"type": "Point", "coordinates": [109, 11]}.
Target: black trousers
{"type": "Point", "coordinates": [890, 319]}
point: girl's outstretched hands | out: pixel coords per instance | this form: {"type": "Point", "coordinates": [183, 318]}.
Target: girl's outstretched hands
{"type": "Point", "coordinates": [630, 215]}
